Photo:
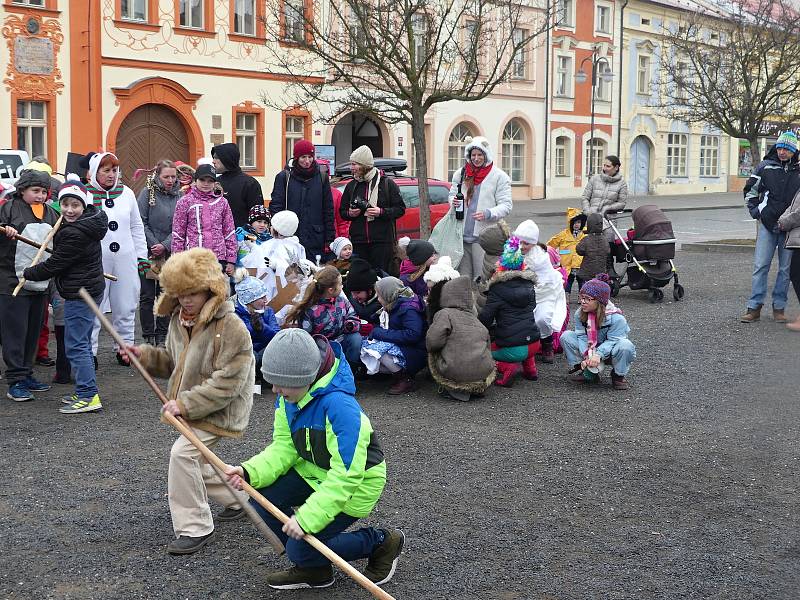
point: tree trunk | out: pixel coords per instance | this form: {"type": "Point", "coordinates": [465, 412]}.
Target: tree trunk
{"type": "Point", "coordinates": [755, 152]}
{"type": "Point", "coordinates": [421, 162]}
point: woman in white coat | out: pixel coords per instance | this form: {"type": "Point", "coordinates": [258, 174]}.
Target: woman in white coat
{"type": "Point", "coordinates": [551, 301]}
{"type": "Point", "coordinates": [486, 191]}
{"type": "Point", "coordinates": [124, 246]}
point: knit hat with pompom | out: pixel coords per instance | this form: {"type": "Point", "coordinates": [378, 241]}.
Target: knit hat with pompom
{"type": "Point", "coordinates": [512, 258]}
{"type": "Point", "coordinates": [598, 288]}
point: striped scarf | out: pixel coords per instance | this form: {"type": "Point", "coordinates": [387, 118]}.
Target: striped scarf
{"type": "Point", "coordinates": [100, 194]}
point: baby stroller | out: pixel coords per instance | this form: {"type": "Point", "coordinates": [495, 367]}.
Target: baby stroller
{"type": "Point", "coordinates": [647, 251]}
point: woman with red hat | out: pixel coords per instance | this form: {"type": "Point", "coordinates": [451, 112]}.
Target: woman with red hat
{"type": "Point", "coordinates": [303, 188]}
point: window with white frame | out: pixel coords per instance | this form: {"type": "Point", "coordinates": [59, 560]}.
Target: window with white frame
{"type": "Point", "coordinates": [681, 80]}
{"type": "Point", "coordinates": [133, 10]}
{"type": "Point", "coordinates": [471, 47]}
{"type": "Point", "coordinates": [358, 37]}
{"type": "Point", "coordinates": [519, 65]}
{"type": "Point", "coordinates": [295, 130]}
{"type": "Point", "coordinates": [32, 127]}
{"type": "Point", "coordinates": [603, 86]}
{"type": "Point", "coordinates": [29, 2]}
{"type": "Point", "coordinates": [419, 28]}
{"type": "Point", "coordinates": [595, 154]}
{"type": "Point", "coordinates": [246, 135]}
{"type": "Point", "coordinates": [709, 156]}
{"type": "Point", "coordinates": [565, 13]}
{"type": "Point", "coordinates": [562, 156]}
{"type": "Point", "coordinates": [294, 20]}
{"type": "Point", "coordinates": [244, 17]}
{"type": "Point", "coordinates": [603, 19]}
{"type": "Point", "coordinates": [643, 75]}
{"type": "Point", "coordinates": [191, 13]}
{"type": "Point", "coordinates": [564, 76]}
{"type": "Point", "coordinates": [677, 148]}
{"type": "Point", "coordinates": [455, 148]}
{"type": "Point", "coordinates": [512, 154]}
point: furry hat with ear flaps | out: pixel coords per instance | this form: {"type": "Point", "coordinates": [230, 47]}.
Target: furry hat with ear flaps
{"type": "Point", "coordinates": [190, 272]}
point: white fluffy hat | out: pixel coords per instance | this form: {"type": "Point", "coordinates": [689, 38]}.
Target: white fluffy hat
{"type": "Point", "coordinates": [482, 144]}
{"type": "Point", "coordinates": [527, 231]}
{"type": "Point", "coordinates": [285, 222]}
{"type": "Point", "coordinates": [339, 244]}
{"type": "Point", "coordinates": [441, 270]}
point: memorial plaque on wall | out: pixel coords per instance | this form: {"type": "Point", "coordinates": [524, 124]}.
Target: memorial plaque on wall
{"type": "Point", "coordinates": [34, 56]}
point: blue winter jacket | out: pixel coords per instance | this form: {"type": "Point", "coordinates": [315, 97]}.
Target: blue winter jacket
{"type": "Point", "coordinates": [407, 329]}
{"type": "Point", "coordinates": [268, 330]}
{"type": "Point", "coordinates": [614, 328]}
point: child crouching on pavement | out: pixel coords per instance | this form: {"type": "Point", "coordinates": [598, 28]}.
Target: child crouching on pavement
{"type": "Point", "coordinates": [324, 467]}
{"type": "Point", "coordinates": [600, 336]}
{"type": "Point", "coordinates": [77, 262]}
{"type": "Point", "coordinates": [509, 315]}
{"type": "Point", "coordinates": [251, 307]}
{"type": "Point", "coordinates": [209, 361]}
{"type": "Point", "coordinates": [421, 255]}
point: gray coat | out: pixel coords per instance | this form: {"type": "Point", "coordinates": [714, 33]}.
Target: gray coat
{"type": "Point", "coordinates": [604, 193]}
{"type": "Point", "coordinates": [459, 355]}
{"type": "Point", "coordinates": [157, 220]}
{"type": "Point", "coordinates": [789, 222]}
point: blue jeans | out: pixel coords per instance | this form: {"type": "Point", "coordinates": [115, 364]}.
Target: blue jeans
{"type": "Point", "coordinates": [622, 354]}
{"type": "Point", "coordinates": [351, 344]}
{"type": "Point", "coordinates": [766, 243]}
{"type": "Point", "coordinates": [291, 490]}
{"type": "Point", "coordinates": [78, 323]}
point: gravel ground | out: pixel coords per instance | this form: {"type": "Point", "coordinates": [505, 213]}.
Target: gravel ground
{"type": "Point", "coordinates": [684, 487]}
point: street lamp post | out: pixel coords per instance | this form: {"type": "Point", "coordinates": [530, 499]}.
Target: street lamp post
{"type": "Point", "coordinates": [580, 77]}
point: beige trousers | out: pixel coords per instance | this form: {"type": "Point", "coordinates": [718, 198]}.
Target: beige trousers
{"type": "Point", "coordinates": [191, 482]}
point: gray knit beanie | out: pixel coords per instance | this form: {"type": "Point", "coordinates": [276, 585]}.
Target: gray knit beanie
{"type": "Point", "coordinates": [291, 359]}
{"type": "Point", "coordinates": [389, 288]}
{"type": "Point", "coordinates": [30, 178]}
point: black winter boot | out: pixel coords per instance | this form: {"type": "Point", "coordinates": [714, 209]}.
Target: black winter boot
{"type": "Point", "coordinates": [548, 356]}
{"type": "Point", "coordinates": [63, 368]}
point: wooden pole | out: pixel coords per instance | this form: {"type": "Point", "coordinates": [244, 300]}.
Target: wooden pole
{"type": "Point", "coordinates": [39, 253]}
{"type": "Point", "coordinates": [30, 242]}
{"type": "Point", "coordinates": [215, 461]}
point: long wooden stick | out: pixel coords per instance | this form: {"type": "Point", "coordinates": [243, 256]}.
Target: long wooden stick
{"type": "Point", "coordinates": [30, 242]}
{"type": "Point", "coordinates": [39, 253]}
{"type": "Point", "coordinates": [214, 460]}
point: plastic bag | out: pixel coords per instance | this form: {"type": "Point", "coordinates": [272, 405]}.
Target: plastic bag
{"type": "Point", "coordinates": [448, 238]}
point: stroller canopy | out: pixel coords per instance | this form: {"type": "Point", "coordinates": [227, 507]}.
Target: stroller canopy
{"type": "Point", "coordinates": [651, 224]}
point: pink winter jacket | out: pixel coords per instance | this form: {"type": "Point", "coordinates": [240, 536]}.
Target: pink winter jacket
{"type": "Point", "coordinates": [203, 220]}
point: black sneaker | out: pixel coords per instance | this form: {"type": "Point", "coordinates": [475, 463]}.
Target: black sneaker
{"type": "Point", "coordinates": [297, 578]}
{"type": "Point", "coordinates": [45, 361]}
{"type": "Point", "coordinates": [230, 514]}
{"type": "Point", "coordinates": [188, 545]}
{"type": "Point", "coordinates": [383, 560]}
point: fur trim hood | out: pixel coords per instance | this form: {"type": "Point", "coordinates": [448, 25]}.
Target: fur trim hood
{"type": "Point", "coordinates": [501, 276]}
{"type": "Point", "coordinates": [94, 165]}
{"type": "Point", "coordinates": [482, 144]}
{"type": "Point", "coordinates": [479, 386]}
{"type": "Point", "coordinates": [190, 272]}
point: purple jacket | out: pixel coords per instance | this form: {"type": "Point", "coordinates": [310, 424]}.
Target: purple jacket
{"type": "Point", "coordinates": [203, 220]}
{"type": "Point", "coordinates": [331, 317]}
{"type": "Point", "coordinates": [419, 286]}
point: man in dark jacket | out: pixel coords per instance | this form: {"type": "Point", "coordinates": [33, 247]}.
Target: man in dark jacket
{"type": "Point", "coordinates": [241, 190]}
{"type": "Point", "coordinates": [372, 203]}
{"type": "Point", "coordinates": [302, 188]}
{"type": "Point", "coordinates": [768, 193]}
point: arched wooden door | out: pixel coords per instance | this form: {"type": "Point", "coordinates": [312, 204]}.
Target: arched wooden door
{"type": "Point", "coordinates": [148, 134]}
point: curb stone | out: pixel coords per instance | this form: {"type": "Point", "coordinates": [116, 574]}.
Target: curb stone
{"type": "Point", "coordinates": [724, 248]}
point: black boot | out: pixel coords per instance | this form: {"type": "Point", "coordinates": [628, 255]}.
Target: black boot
{"type": "Point", "coordinates": [548, 356]}
{"type": "Point", "coordinates": [63, 368]}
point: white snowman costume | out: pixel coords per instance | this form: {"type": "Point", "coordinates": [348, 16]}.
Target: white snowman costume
{"type": "Point", "coordinates": [551, 301]}
{"type": "Point", "coordinates": [123, 245]}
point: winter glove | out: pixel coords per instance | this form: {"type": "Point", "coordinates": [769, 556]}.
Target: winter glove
{"type": "Point", "coordinates": [366, 329]}
{"type": "Point", "coordinates": [143, 265]}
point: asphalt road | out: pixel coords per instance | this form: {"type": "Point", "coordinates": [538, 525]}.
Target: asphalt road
{"type": "Point", "coordinates": [684, 487]}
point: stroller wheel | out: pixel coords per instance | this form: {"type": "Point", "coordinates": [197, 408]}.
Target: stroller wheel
{"type": "Point", "coordinates": [615, 288]}
{"type": "Point", "coordinates": [655, 295]}
{"type": "Point", "coordinates": [678, 292]}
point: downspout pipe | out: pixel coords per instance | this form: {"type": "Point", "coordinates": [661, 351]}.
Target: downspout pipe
{"type": "Point", "coordinates": [620, 71]}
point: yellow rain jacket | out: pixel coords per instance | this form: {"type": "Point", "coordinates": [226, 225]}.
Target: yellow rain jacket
{"type": "Point", "coordinates": [565, 242]}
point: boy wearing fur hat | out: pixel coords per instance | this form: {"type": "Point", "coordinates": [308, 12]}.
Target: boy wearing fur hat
{"type": "Point", "coordinates": [21, 316]}
{"type": "Point", "coordinates": [210, 364]}
{"type": "Point", "coordinates": [324, 467]}
{"type": "Point", "coordinates": [77, 262]}
{"type": "Point", "coordinates": [600, 336]}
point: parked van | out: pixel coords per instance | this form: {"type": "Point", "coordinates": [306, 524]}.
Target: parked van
{"type": "Point", "coordinates": [11, 163]}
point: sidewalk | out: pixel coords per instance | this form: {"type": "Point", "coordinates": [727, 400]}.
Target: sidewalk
{"type": "Point", "coordinates": [683, 202]}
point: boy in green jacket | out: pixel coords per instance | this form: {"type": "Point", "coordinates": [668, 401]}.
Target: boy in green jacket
{"type": "Point", "coordinates": [324, 459]}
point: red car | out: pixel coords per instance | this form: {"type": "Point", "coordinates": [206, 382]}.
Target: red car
{"type": "Point", "coordinates": [408, 224]}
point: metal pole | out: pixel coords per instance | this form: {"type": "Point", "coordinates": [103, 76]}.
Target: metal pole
{"type": "Point", "coordinates": [591, 126]}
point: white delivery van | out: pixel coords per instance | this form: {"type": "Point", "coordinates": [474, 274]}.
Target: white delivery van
{"type": "Point", "coordinates": [11, 163]}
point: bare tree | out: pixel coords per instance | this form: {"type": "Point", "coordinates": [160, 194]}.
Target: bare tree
{"type": "Point", "coordinates": [734, 66]}
{"type": "Point", "coordinates": [395, 59]}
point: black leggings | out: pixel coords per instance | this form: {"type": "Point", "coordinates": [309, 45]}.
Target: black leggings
{"type": "Point", "coordinates": [794, 272]}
